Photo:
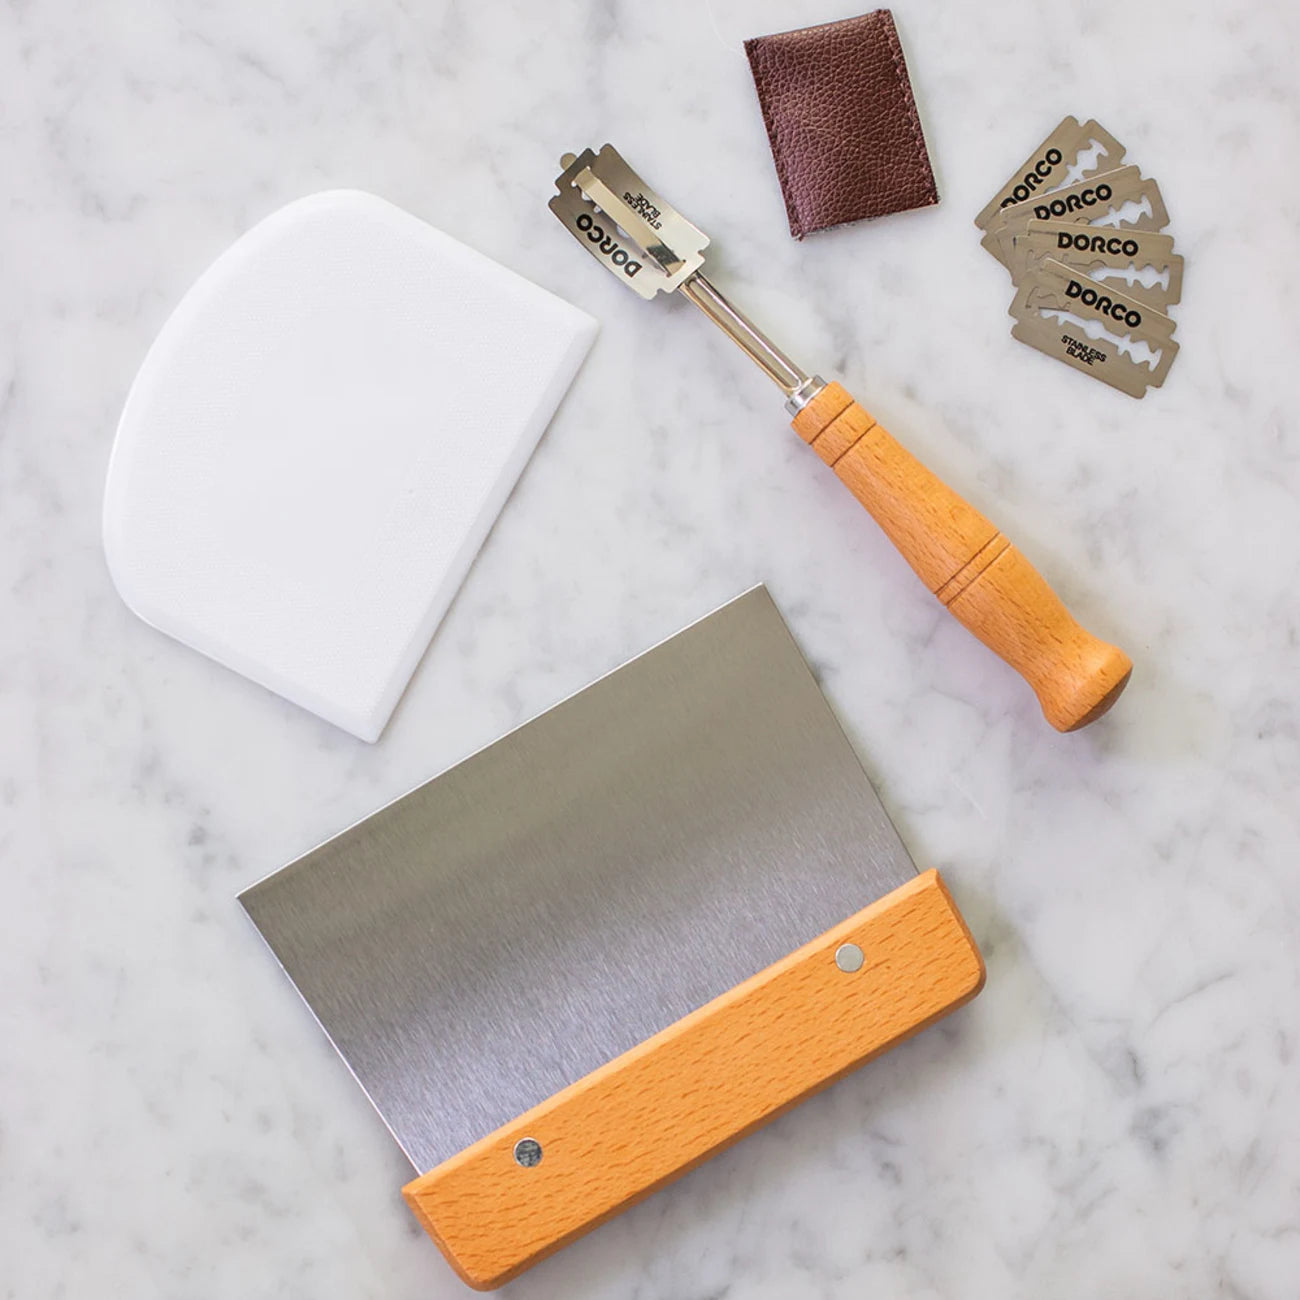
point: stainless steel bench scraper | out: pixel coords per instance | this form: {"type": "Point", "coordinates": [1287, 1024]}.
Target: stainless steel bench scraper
{"type": "Point", "coordinates": [580, 962]}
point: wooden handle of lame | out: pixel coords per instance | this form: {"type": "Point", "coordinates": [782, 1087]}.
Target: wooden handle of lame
{"type": "Point", "coordinates": [657, 1111]}
{"type": "Point", "coordinates": [983, 580]}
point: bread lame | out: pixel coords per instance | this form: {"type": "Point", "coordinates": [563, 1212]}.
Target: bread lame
{"type": "Point", "coordinates": [600, 950]}
{"type": "Point", "coordinates": [977, 575]}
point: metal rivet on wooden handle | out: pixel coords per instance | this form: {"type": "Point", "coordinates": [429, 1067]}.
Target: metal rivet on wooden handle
{"type": "Point", "coordinates": [984, 582]}
{"type": "Point", "coordinates": [657, 1111]}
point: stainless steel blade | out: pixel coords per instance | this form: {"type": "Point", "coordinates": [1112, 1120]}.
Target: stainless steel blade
{"type": "Point", "coordinates": [624, 224]}
{"type": "Point", "coordinates": [584, 882]}
{"type": "Point", "coordinates": [653, 249]}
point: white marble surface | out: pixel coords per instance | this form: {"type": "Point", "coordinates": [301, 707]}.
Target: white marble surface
{"type": "Point", "coordinates": [1117, 1114]}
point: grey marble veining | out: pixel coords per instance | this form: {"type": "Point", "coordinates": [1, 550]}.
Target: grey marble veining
{"type": "Point", "coordinates": [1117, 1113]}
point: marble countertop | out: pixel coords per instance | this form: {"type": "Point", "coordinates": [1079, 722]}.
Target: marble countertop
{"type": "Point", "coordinates": [1116, 1115]}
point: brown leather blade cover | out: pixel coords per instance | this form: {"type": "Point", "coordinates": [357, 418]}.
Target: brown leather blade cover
{"type": "Point", "coordinates": [839, 112]}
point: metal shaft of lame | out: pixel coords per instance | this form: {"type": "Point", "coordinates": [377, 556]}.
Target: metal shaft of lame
{"type": "Point", "coordinates": [798, 386]}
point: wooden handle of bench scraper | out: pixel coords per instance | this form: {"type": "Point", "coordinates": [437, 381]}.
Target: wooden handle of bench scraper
{"type": "Point", "coordinates": [657, 1111]}
{"type": "Point", "coordinates": [969, 565]}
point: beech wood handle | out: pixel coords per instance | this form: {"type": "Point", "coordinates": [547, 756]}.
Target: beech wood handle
{"type": "Point", "coordinates": [655, 1112]}
{"type": "Point", "coordinates": [984, 582]}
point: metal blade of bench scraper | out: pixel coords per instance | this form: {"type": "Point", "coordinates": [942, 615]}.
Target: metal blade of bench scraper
{"type": "Point", "coordinates": [585, 881]}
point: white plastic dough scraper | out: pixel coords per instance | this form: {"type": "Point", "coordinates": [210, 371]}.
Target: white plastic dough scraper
{"type": "Point", "coordinates": [319, 441]}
